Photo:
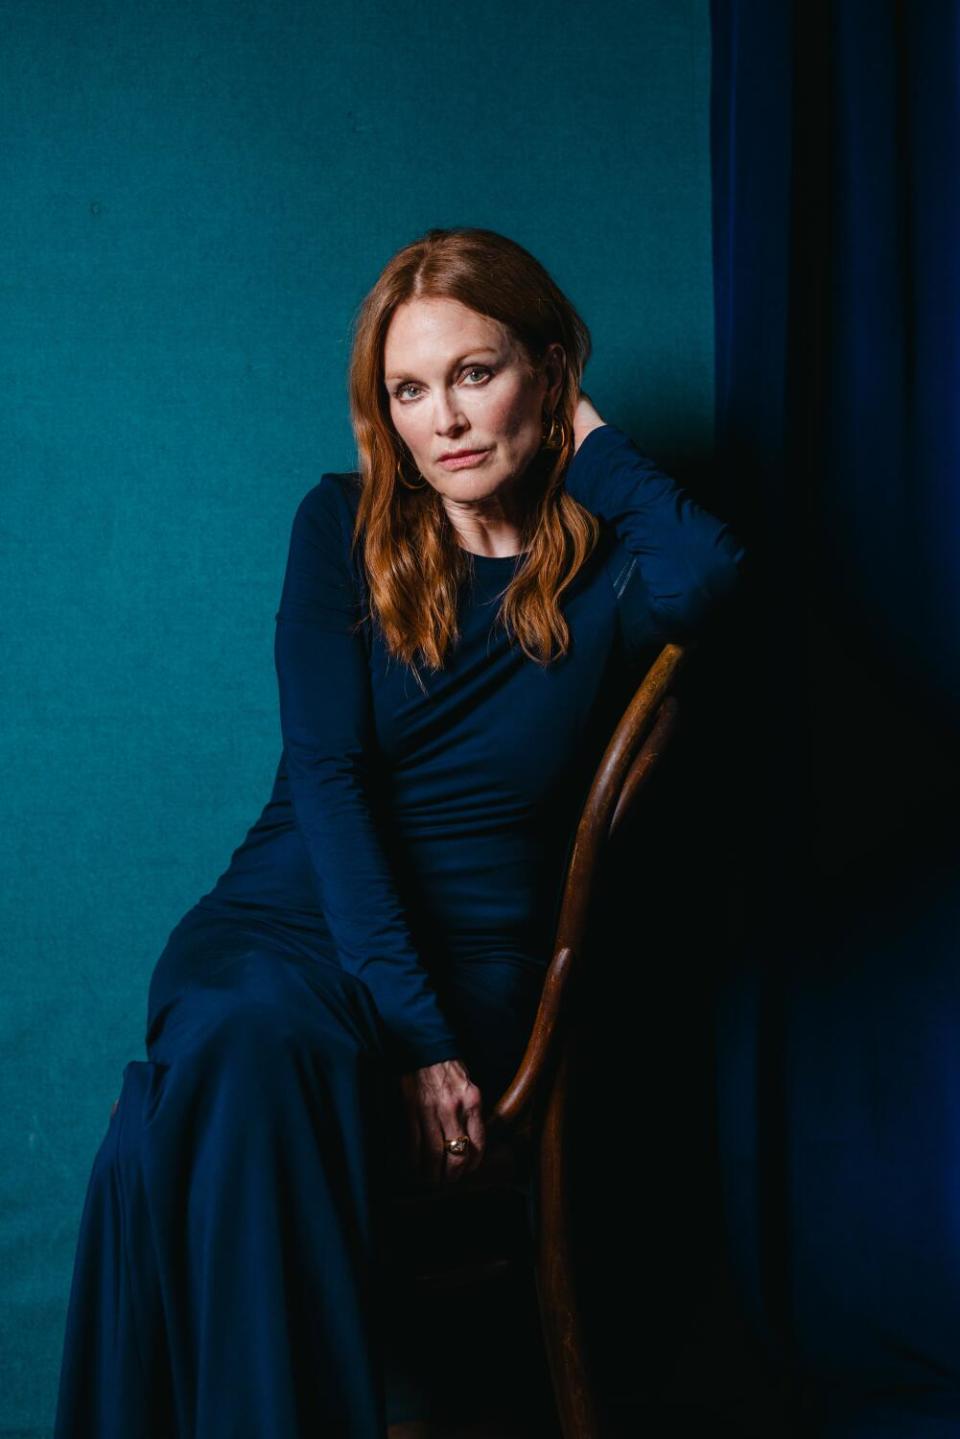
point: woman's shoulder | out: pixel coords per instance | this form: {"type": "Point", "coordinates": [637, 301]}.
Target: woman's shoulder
{"type": "Point", "coordinates": [335, 491]}
{"type": "Point", "coordinates": [326, 515]}
{"type": "Point", "coordinates": [324, 524]}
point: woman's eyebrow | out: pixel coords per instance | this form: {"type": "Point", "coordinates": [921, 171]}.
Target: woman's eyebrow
{"type": "Point", "coordinates": [480, 350]}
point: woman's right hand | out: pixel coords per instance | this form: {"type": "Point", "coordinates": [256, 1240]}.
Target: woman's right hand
{"type": "Point", "coordinates": [441, 1101]}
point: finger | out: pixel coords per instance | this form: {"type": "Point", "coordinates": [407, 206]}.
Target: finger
{"type": "Point", "coordinates": [476, 1129]}
{"type": "Point", "coordinates": [427, 1163]}
{"type": "Point", "coordinates": [457, 1164]}
{"type": "Point", "coordinates": [434, 1138]}
{"type": "Point", "coordinates": [452, 1119]}
{"type": "Point", "coordinates": [466, 1116]}
{"type": "Point", "coordinates": [473, 1127]}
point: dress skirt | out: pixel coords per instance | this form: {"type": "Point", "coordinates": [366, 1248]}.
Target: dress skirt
{"type": "Point", "coordinates": [230, 1278]}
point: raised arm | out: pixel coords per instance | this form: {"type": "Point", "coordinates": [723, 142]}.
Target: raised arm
{"type": "Point", "coordinates": [690, 561]}
{"type": "Point", "coordinates": [327, 725]}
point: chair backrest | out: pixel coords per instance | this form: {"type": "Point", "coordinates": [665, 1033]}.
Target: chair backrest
{"type": "Point", "coordinates": [634, 751]}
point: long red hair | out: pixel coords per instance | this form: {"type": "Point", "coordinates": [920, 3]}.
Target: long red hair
{"type": "Point", "coordinates": [413, 562]}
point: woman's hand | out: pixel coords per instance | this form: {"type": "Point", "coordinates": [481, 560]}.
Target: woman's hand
{"type": "Point", "coordinates": [585, 419]}
{"type": "Point", "coordinates": [441, 1101]}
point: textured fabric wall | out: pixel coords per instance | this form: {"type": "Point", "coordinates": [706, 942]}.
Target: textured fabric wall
{"type": "Point", "coordinates": [197, 198]}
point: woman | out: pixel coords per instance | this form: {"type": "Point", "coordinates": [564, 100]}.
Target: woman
{"type": "Point", "coordinates": [459, 626]}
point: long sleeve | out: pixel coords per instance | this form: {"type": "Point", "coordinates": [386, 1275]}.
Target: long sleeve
{"type": "Point", "coordinates": [690, 561]}
{"type": "Point", "coordinates": [327, 724]}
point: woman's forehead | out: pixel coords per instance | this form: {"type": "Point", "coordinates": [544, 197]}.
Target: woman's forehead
{"type": "Point", "coordinates": [439, 324]}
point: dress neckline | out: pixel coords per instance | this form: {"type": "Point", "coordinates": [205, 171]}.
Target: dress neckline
{"type": "Point", "coordinates": [496, 559]}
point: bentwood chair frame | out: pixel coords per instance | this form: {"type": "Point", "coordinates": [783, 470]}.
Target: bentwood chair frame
{"type": "Point", "coordinates": [528, 1129]}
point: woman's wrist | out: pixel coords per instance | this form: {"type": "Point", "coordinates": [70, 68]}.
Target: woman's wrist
{"type": "Point", "coordinates": [586, 418]}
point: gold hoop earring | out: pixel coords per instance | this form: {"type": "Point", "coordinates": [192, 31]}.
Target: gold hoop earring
{"type": "Point", "coordinates": [549, 440]}
{"type": "Point", "coordinates": [406, 483]}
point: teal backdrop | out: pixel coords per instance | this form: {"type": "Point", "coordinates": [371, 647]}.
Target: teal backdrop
{"type": "Point", "coordinates": [197, 198]}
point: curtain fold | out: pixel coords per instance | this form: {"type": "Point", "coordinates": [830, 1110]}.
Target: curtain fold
{"type": "Point", "coordinates": [835, 131]}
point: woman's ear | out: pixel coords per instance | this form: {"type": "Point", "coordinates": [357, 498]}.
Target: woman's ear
{"type": "Point", "coordinates": [556, 369]}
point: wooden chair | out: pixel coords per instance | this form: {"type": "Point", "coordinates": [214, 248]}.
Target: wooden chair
{"type": "Point", "coordinates": [528, 1127]}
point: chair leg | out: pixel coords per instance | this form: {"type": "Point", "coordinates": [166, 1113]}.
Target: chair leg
{"type": "Point", "coordinates": [559, 1314]}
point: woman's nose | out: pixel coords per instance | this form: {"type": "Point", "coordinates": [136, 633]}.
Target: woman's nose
{"type": "Point", "coordinates": [447, 417]}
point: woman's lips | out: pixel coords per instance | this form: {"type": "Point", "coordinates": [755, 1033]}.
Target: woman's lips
{"type": "Point", "coordinates": [464, 461]}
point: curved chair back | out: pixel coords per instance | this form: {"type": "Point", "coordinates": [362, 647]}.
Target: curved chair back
{"type": "Point", "coordinates": [634, 750]}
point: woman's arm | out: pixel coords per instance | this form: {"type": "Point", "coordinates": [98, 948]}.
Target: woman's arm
{"type": "Point", "coordinates": [690, 560]}
{"type": "Point", "coordinates": [327, 725]}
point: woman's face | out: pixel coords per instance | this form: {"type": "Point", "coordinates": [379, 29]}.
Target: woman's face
{"type": "Point", "coordinates": [456, 382]}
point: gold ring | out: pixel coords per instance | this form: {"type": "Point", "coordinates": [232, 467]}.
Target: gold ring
{"type": "Point", "coordinates": [458, 1145]}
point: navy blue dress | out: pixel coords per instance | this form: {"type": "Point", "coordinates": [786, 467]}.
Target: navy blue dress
{"type": "Point", "coordinates": [392, 906]}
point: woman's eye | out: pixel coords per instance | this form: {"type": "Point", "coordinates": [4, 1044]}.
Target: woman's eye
{"type": "Point", "coordinates": [409, 384]}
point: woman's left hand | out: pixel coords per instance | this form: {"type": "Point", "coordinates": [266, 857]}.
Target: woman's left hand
{"type": "Point", "coordinates": [441, 1101]}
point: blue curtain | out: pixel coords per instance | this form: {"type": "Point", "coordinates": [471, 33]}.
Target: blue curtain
{"type": "Point", "coordinates": [835, 132]}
